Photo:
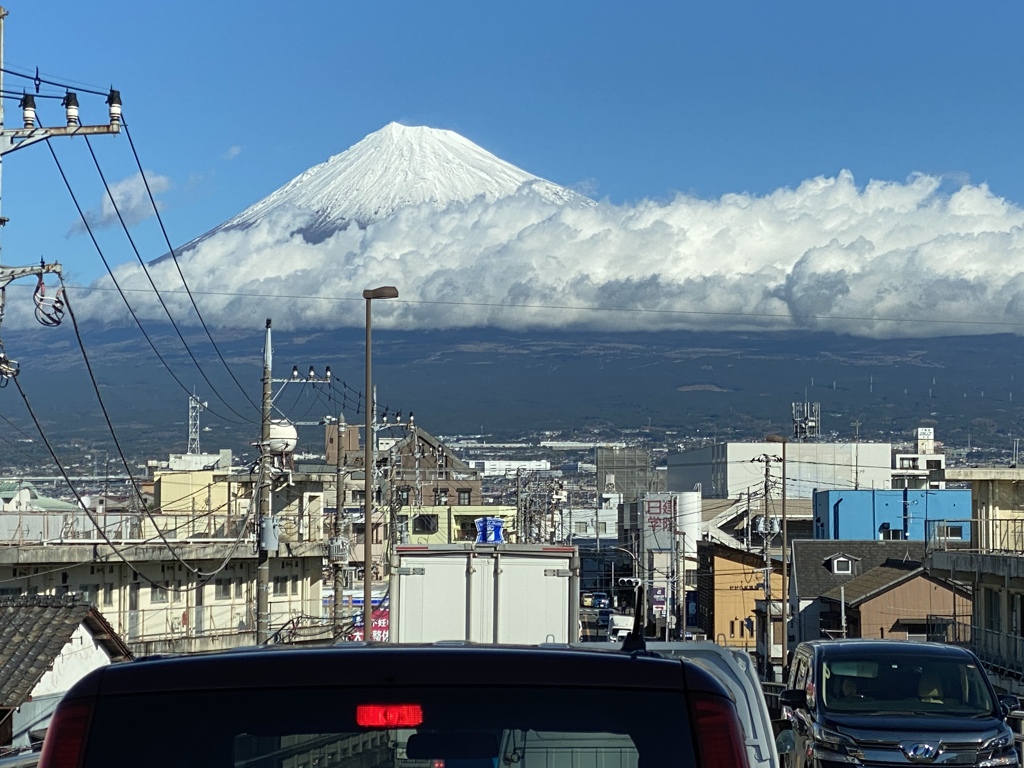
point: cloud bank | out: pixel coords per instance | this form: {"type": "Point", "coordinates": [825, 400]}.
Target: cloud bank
{"type": "Point", "coordinates": [131, 200]}
{"type": "Point", "coordinates": [889, 259]}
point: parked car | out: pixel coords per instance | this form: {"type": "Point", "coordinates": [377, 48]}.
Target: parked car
{"type": "Point", "coordinates": [396, 706]}
{"type": "Point", "coordinates": [587, 600]}
{"type": "Point", "coordinates": [601, 600]}
{"type": "Point", "coordinates": [892, 702]}
{"type": "Point", "coordinates": [736, 670]}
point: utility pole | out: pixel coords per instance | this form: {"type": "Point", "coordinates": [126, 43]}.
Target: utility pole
{"type": "Point", "coordinates": [339, 543]}
{"type": "Point", "coordinates": [265, 513]}
{"type": "Point", "coordinates": [48, 311]}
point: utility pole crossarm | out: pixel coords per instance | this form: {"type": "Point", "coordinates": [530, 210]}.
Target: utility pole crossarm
{"type": "Point", "coordinates": [9, 274]}
{"type": "Point", "coordinates": [18, 138]}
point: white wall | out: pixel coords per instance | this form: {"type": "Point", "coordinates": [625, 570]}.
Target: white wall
{"type": "Point", "coordinates": [80, 656]}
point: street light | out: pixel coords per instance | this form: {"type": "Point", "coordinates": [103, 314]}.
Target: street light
{"type": "Point", "coordinates": [384, 292]}
{"type": "Point", "coordinates": [785, 553]}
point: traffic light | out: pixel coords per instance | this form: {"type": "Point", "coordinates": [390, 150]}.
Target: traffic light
{"type": "Point", "coordinates": [629, 582]}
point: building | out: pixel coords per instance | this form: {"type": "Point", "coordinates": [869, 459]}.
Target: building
{"type": "Point", "coordinates": [887, 514]}
{"type": "Point", "coordinates": [47, 644]}
{"type": "Point", "coordinates": [732, 470]}
{"type": "Point", "coordinates": [987, 553]}
{"type": "Point", "coordinates": [818, 567]}
{"type": "Point", "coordinates": [730, 581]}
{"type": "Point", "coordinates": [180, 578]}
{"type": "Point", "coordinates": [923, 469]}
{"type": "Point", "coordinates": [898, 599]}
{"type": "Point", "coordinates": [507, 468]}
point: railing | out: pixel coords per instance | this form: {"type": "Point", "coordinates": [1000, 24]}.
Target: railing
{"type": "Point", "coordinates": [77, 527]}
{"type": "Point", "coordinates": [1002, 534]}
{"type": "Point", "coordinates": [1000, 650]}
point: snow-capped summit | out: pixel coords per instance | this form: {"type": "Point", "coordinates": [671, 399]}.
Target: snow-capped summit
{"type": "Point", "coordinates": [396, 166]}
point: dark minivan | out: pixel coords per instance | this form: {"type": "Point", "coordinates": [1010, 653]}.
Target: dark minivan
{"type": "Point", "coordinates": [392, 706]}
{"type": "Point", "coordinates": [892, 703]}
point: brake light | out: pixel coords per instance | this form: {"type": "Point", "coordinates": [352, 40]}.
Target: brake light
{"type": "Point", "coordinates": [717, 732]}
{"type": "Point", "coordinates": [389, 715]}
{"type": "Point", "coordinates": [64, 746]}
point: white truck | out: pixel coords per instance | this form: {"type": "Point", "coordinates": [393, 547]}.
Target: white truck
{"type": "Point", "coordinates": [619, 625]}
{"type": "Point", "coordinates": [484, 593]}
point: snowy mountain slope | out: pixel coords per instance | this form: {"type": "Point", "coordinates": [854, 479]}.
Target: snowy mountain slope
{"type": "Point", "coordinates": [394, 167]}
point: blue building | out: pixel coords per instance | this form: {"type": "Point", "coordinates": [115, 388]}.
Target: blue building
{"type": "Point", "coordinates": [901, 513]}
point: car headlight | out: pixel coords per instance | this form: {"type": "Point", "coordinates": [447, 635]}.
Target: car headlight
{"type": "Point", "coordinates": [999, 750]}
{"type": "Point", "coordinates": [834, 746]}
{"type": "Point", "coordinates": [1002, 741]}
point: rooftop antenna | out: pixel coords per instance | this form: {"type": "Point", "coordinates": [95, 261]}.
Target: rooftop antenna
{"type": "Point", "coordinates": [194, 407]}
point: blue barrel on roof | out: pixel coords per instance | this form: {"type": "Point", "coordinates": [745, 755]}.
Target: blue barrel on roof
{"type": "Point", "coordinates": [489, 530]}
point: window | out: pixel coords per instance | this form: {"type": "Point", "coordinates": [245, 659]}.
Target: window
{"type": "Point", "coordinates": [892, 534]}
{"type": "Point", "coordinates": [158, 593]}
{"type": "Point", "coordinates": [440, 497]}
{"type": "Point", "coordinates": [238, 587]}
{"type": "Point", "coordinates": [602, 527]}
{"type": "Point", "coordinates": [842, 565]}
{"type": "Point", "coordinates": [424, 524]}
{"type": "Point", "coordinates": [580, 527]}
{"type": "Point", "coordinates": [222, 589]}
{"type": "Point", "coordinates": [732, 629]}
{"type": "Point", "coordinates": [955, 532]}
{"type": "Point", "coordinates": [295, 584]}
{"type": "Point", "coordinates": [464, 497]}
{"type": "Point", "coordinates": [108, 595]}
{"type": "Point", "coordinates": [280, 586]}
{"type": "Point", "coordinates": [934, 464]}
{"type": "Point", "coordinates": [90, 593]}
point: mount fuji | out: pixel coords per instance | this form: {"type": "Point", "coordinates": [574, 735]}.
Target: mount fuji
{"type": "Point", "coordinates": [394, 167]}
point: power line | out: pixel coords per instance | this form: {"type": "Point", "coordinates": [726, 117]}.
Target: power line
{"type": "Point", "coordinates": [121, 291]}
{"type": "Point", "coordinates": [174, 258]}
{"type": "Point", "coordinates": [583, 308]}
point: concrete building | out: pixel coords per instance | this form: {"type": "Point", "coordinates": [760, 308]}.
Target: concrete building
{"type": "Point", "coordinates": [988, 554]}
{"type": "Point", "coordinates": [922, 469]}
{"type": "Point", "coordinates": [731, 470]}
{"type": "Point", "coordinates": [507, 467]}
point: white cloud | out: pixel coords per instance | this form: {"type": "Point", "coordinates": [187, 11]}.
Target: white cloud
{"type": "Point", "coordinates": [887, 259]}
{"type": "Point", "coordinates": [131, 199]}
{"type": "Point", "coordinates": [233, 152]}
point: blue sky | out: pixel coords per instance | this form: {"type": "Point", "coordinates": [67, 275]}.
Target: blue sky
{"type": "Point", "coordinates": [227, 101]}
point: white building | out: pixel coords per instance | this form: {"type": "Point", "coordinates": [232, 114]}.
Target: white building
{"type": "Point", "coordinates": [732, 470]}
{"type": "Point", "coordinates": [507, 468]}
{"type": "Point", "coordinates": [922, 470]}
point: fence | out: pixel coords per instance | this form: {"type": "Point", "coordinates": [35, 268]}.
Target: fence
{"type": "Point", "coordinates": [76, 527]}
{"type": "Point", "coordinates": [1004, 534]}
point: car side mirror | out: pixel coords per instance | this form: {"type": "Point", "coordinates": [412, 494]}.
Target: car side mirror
{"type": "Point", "coordinates": [785, 742]}
{"type": "Point", "coordinates": [794, 698]}
{"type": "Point", "coordinates": [1009, 704]}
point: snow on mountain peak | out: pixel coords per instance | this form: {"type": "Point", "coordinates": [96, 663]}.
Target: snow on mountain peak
{"type": "Point", "coordinates": [393, 167]}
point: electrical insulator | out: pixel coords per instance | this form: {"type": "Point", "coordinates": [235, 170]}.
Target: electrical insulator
{"type": "Point", "coordinates": [28, 110]}
{"type": "Point", "coordinates": [70, 104]}
{"type": "Point", "coordinates": [114, 102]}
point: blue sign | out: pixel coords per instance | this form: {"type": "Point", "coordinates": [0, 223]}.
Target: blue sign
{"type": "Point", "coordinates": [488, 530]}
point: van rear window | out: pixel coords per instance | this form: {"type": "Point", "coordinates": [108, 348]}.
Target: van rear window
{"type": "Point", "coordinates": [459, 727]}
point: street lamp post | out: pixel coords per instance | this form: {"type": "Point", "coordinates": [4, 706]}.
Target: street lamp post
{"type": "Point", "coordinates": [785, 554]}
{"type": "Point", "coordinates": [384, 292]}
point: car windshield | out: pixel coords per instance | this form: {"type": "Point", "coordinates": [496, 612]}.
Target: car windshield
{"type": "Point", "coordinates": [904, 684]}
{"type": "Point", "coordinates": [454, 726]}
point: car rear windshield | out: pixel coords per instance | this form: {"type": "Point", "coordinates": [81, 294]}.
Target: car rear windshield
{"type": "Point", "coordinates": [448, 726]}
{"type": "Point", "coordinates": [905, 684]}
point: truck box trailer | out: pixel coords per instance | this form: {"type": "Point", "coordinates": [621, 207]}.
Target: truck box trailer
{"type": "Point", "coordinates": [484, 593]}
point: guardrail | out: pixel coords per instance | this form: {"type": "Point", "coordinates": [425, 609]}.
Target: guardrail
{"type": "Point", "coordinates": [998, 650]}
